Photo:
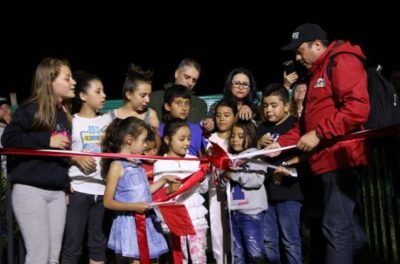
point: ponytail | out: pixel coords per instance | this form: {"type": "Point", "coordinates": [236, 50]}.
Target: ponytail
{"type": "Point", "coordinates": [115, 135]}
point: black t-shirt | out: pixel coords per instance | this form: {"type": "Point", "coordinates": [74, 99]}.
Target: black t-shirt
{"type": "Point", "coordinates": [290, 187]}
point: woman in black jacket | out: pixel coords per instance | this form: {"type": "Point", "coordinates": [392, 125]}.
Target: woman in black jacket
{"type": "Point", "coordinates": [39, 183]}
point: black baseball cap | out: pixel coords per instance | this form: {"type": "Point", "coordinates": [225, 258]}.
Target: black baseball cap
{"type": "Point", "coordinates": [303, 33]}
{"type": "Point", "coordinates": [4, 100]}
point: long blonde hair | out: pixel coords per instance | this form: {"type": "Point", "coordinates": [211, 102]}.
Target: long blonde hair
{"type": "Point", "coordinates": [43, 93]}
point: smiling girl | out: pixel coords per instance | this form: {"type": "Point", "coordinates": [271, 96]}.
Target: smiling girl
{"type": "Point", "coordinates": [39, 183]}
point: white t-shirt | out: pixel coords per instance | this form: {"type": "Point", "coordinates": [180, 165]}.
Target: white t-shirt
{"type": "Point", "coordinates": [87, 134]}
{"type": "Point", "coordinates": [192, 198]}
{"type": "Point", "coordinates": [223, 143]}
{"type": "Point", "coordinates": [215, 172]}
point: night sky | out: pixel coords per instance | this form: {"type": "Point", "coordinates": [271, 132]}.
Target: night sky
{"type": "Point", "coordinates": [105, 39]}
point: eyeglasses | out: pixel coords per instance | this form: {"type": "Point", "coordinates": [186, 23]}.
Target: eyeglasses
{"type": "Point", "coordinates": [237, 85]}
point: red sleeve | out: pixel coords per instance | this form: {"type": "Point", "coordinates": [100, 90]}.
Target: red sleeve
{"type": "Point", "coordinates": [349, 87]}
{"type": "Point", "coordinates": [291, 137]}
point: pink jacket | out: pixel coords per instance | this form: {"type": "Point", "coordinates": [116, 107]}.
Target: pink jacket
{"type": "Point", "coordinates": [335, 109]}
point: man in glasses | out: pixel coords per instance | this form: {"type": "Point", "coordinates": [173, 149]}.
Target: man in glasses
{"type": "Point", "coordinates": [187, 74]}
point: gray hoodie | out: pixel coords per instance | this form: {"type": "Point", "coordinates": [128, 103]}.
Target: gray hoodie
{"type": "Point", "coordinates": [247, 192]}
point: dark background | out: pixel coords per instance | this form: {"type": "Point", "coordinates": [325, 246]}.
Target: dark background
{"type": "Point", "coordinates": [103, 38]}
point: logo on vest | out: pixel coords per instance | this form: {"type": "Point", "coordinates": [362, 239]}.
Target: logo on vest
{"type": "Point", "coordinates": [320, 83]}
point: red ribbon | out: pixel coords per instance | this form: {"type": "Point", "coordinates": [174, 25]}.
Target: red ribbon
{"type": "Point", "coordinates": [372, 133]}
{"type": "Point", "coordinates": [171, 213]}
{"type": "Point", "coordinates": [218, 158]}
{"type": "Point", "coordinates": [161, 195]}
{"type": "Point", "coordinates": [69, 153]}
{"type": "Point", "coordinates": [140, 220]}
{"type": "Point", "coordinates": [176, 249]}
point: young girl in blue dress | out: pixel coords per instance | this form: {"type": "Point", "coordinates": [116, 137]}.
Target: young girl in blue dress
{"type": "Point", "coordinates": [128, 191]}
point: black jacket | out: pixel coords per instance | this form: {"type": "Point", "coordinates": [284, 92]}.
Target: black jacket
{"type": "Point", "coordinates": [42, 172]}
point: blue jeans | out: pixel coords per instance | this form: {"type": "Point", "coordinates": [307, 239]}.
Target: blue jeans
{"type": "Point", "coordinates": [247, 238]}
{"type": "Point", "coordinates": [282, 226]}
{"type": "Point", "coordinates": [343, 233]}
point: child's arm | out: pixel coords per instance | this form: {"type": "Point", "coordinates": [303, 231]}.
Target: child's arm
{"type": "Point", "coordinates": [163, 180]}
{"type": "Point", "coordinates": [252, 178]}
{"type": "Point", "coordinates": [208, 124]}
{"type": "Point", "coordinates": [265, 140]}
{"type": "Point", "coordinates": [292, 161]}
{"type": "Point", "coordinates": [116, 171]}
{"type": "Point", "coordinates": [86, 164]}
{"type": "Point", "coordinates": [19, 133]}
{"type": "Point", "coordinates": [278, 174]}
{"type": "Point", "coordinates": [203, 185]}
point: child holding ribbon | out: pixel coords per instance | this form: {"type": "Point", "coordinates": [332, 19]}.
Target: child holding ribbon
{"type": "Point", "coordinates": [282, 229]}
{"type": "Point", "coordinates": [224, 118]}
{"type": "Point", "coordinates": [177, 141]}
{"type": "Point", "coordinates": [128, 192]}
{"type": "Point", "coordinates": [247, 197]}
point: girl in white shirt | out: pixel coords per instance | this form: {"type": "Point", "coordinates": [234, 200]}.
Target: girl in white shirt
{"type": "Point", "coordinates": [224, 119]}
{"type": "Point", "coordinates": [176, 142]}
{"type": "Point", "coordinates": [85, 211]}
